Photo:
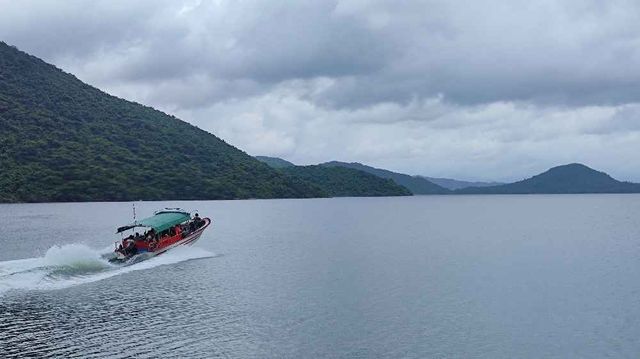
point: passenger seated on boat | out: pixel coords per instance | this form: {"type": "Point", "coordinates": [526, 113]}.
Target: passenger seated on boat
{"type": "Point", "coordinates": [177, 229]}
{"type": "Point", "coordinates": [150, 235]}
{"type": "Point", "coordinates": [195, 223]}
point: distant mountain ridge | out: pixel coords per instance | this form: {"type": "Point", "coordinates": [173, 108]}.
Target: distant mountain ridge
{"type": "Point", "coordinates": [565, 179]}
{"type": "Point", "coordinates": [415, 184]}
{"type": "Point", "coordinates": [454, 184]}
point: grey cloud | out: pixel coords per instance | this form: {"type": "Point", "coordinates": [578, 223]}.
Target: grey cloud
{"type": "Point", "coordinates": [51, 28]}
{"type": "Point", "coordinates": [572, 53]}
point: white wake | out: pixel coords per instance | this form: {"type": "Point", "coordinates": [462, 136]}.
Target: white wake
{"type": "Point", "coordinates": [75, 264]}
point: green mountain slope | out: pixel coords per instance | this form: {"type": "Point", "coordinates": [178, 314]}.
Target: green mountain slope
{"type": "Point", "coordinates": [346, 182]}
{"type": "Point", "coordinates": [274, 162]}
{"type": "Point", "coordinates": [571, 178]}
{"type": "Point", "coordinates": [415, 184]}
{"type": "Point", "coordinates": [63, 140]}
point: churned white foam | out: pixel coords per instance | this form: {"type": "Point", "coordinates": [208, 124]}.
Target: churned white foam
{"type": "Point", "coordinates": [74, 256]}
{"type": "Point", "coordinates": [74, 264]}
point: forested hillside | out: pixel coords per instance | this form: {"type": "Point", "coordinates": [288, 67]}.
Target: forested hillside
{"type": "Point", "coordinates": [346, 182]}
{"type": "Point", "coordinates": [63, 140]}
{"type": "Point", "coordinates": [417, 185]}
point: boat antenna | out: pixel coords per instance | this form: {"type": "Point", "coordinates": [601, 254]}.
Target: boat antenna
{"type": "Point", "coordinates": [134, 212]}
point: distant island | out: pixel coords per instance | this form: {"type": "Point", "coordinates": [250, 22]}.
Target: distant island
{"type": "Point", "coordinates": [571, 178]}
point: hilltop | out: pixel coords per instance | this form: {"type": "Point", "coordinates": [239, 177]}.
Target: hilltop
{"type": "Point", "coordinates": [63, 140]}
{"type": "Point", "coordinates": [571, 178]}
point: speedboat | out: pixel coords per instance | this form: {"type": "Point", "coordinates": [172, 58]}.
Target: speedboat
{"type": "Point", "coordinates": [166, 229]}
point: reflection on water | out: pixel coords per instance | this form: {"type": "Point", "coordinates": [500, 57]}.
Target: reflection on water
{"type": "Point", "coordinates": [430, 276]}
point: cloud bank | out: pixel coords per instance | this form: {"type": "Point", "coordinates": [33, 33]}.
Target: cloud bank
{"type": "Point", "coordinates": [475, 90]}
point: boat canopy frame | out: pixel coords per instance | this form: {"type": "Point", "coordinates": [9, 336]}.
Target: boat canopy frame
{"type": "Point", "coordinates": [160, 221]}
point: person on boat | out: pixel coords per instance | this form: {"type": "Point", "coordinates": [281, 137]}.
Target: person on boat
{"type": "Point", "coordinates": [177, 229]}
{"type": "Point", "coordinates": [197, 221]}
{"type": "Point", "coordinates": [153, 243]}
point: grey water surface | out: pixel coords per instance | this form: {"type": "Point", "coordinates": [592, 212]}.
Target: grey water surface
{"type": "Point", "coordinates": [414, 277]}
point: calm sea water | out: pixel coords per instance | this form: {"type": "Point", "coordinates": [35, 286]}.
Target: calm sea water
{"type": "Point", "coordinates": [418, 277]}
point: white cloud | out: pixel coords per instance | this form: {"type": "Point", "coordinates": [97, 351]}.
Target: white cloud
{"type": "Point", "coordinates": [501, 141]}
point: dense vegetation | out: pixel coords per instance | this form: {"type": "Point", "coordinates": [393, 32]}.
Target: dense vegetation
{"type": "Point", "coordinates": [346, 182]}
{"type": "Point", "coordinates": [572, 178]}
{"type": "Point", "coordinates": [415, 184]}
{"type": "Point", "coordinates": [274, 162]}
{"type": "Point", "coordinates": [63, 140]}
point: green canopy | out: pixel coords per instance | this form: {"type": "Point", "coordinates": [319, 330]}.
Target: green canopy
{"type": "Point", "coordinates": [160, 221]}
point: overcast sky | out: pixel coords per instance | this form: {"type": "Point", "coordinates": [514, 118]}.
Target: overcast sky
{"type": "Point", "coordinates": [483, 90]}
